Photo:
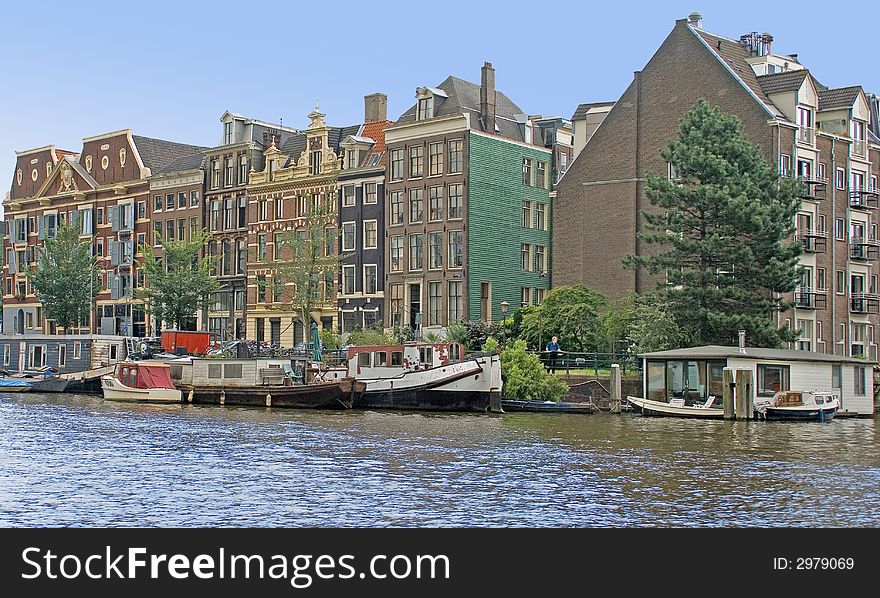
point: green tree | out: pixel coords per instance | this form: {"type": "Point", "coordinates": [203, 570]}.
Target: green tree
{"type": "Point", "coordinates": [370, 336]}
{"type": "Point", "coordinates": [525, 378]}
{"type": "Point", "coordinates": [722, 228]}
{"type": "Point", "coordinates": [652, 327]}
{"type": "Point", "coordinates": [571, 313]}
{"type": "Point", "coordinates": [616, 321]}
{"type": "Point", "coordinates": [181, 281]}
{"type": "Point", "coordinates": [66, 278]}
{"type": "Point", "coordinates": [305, 275]}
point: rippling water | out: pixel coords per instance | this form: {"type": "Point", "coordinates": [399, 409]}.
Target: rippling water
{"type": "Point", "coordinates": [78, 461]}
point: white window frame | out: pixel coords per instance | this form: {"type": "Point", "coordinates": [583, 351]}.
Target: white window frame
{"type": "Point", "coordinates": [364, 287]}
{"type": "Point", "coordinates": [351, 291]}
{"type": "Point", "coordinates": [353, 245]}
{"type": "Point", "coordinates": [375, 224]}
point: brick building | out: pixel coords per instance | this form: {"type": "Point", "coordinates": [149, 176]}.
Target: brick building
{"type": "Point", "coordinates": [820, 135]}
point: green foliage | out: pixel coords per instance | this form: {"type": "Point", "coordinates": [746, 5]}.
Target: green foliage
{"type": "Point", "coordinates": [404, 334]}
{"type": "Point", "coordinates": [329, 339]}
{"type": "Point", "coordinates": [616, 323]}
{"type": "Point", "coordinates": [525, 378]}
{"type": "Point", "coordinates": [457, 333]}
{"type": "Point", "coordinates": [570, 312]}
{"type": "Point", "coordinates": [370, 336]}
{"type": "Point", "coordinates": [471, 333]}
{"type": "Point", "coordinates": [66, 278]}
{"type": "Point", "coordinates": [180, 282]}
{"type": "Point", "coordinates": [722, 233]}
{"type": "Point", "coordinates": [432, 337]}
{"type": "Point", "coordinates": [653, 328]}
{"type": "Point", "coordinates": [491, 344]}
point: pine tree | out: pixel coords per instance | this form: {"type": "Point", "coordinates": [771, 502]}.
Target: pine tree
{"type": "Point", "coordinates": [66, 278]}
{"type": "Point", "coordinates": [723, 226]}
{"type": "Point", "coordinates": [179, 283]}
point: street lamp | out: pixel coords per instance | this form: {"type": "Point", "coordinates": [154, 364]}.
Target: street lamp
{"type": "Point", "coordinates": [504, 307]}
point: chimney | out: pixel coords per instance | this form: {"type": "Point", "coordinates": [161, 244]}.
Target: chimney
{"type": "Point", "coordinates": [487, 97]}
{"type": "Point", "coordinates": [742, 341]}
{"type": "Point", "coordinates": [375, 108]}
{"type": "Point", "coordinates": [695, 20]}
{"type": "Point", "coordinates": [269, 136]}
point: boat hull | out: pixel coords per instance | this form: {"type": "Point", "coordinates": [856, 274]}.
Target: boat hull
{"type": "Point", "coordinates": [115, 391]}
{"type": "Point", "coordinates": [331, 395]}
{"type": "Point", "coordinates": [791, 414]}
{"type": "Point", "coordinates": [16, 388]}
{"type": "Point", "coordinates": [650, 407]}
{"type": "Point", "coordinates": [424, 400]}
{"type": "Point", "coordinates": [53, 384]}
{"type": "Point", "coordinates": [545, 407]}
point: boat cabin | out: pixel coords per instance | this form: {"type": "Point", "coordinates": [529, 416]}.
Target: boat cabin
{"type": "Point", "coordinates": [694, 374]}
{"type": "Point", "coordinates": [390, 360]}
{"type": "Point", "coordinates": [134, 374]}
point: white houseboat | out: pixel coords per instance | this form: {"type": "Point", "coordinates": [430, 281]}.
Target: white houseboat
{"type": "Point", "coordinates": [689, 382]}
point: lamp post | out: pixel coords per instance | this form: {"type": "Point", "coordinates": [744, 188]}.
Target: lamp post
{"type": "Point", "coordinates": [504, 307]}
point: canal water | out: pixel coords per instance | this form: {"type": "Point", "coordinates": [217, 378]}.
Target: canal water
{"type": "Point", "coordinates": [69, 460]}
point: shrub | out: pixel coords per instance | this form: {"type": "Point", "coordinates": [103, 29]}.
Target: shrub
{"type": "Point", "coordinates": [526, 379]}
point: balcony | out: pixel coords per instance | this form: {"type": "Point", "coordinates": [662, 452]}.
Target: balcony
{"type": "Point", "coordinates": [810, 298]}
{"type": "Point", "coordinates": [814, 241]}
{"type": "Point", "coordinates": [859, 148]}
{"type": "Point", "coordinates": [806, 135]}
{"type": "Point", "coordinates": [865, 303]}
{"type": "Point", "coordinates": [814, 188]}
{"type": "Point", "coordinates": [864, 249]}
{"type": "Point", "coordinates": [864, 198]}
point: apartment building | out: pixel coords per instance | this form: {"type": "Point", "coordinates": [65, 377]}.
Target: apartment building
{"type": "Point", "coordinates": [820, 135]}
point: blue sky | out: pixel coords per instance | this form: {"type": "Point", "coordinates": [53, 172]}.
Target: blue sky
{"type": "Point", "coordinates": [170, 69]}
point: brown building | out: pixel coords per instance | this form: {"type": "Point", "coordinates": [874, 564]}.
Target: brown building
{"type": "Point", "coordinates": [817, 134]}
{"type": "Point", "coordinates": [104, 191]}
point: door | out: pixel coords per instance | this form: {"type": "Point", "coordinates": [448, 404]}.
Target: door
{"type": "Point", "coordinates": [415, 305]}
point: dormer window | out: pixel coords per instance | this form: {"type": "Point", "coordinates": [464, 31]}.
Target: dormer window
{"type": "Point", "coordinates": [315, 162]}
{"type": "Point", "coordinates": [426, 108]}
{"type": "Point", "coordinates": [227, 133]}
{"type": "Point", "coordinates": [352, 158]}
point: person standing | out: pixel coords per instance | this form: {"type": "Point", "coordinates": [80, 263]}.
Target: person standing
{"type": "Point", "coordinates": [553, 349]}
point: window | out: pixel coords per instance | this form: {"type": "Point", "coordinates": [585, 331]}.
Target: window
{"type": "Point", "coordinates": [228, 213]}
{"type": "Point", "coordinates": [181, 229]}
{"type": "Point", "coordinates": [348, 196]}
{"type": "Point", "coordinates": [169, 230]}
{"type": "Point", "coordinates": [348, 280]}
{"type": "Point", "coordinates": [784, 164]}
{"type": "Point", "coordinates": [563, 164]}
{"type": "Point", "coordinates": [370, 279]}
{"type": "Point", "coordinates": [77, 350]}
{"type": "Point", "coordinates": [435, 250]}
{"type": "Point", "coordinates": [264, 209]}
{"type": "Point", "coordinates": [157, 236]}
{"type": "Point", "coordinates": [456, 305]}
{"type": "Point", "coordinates": [396, 304]}
{"type": "Point", "coordinates": [456, 155]}
{"type": "Point", "coordinates": [261, 288]}
{"type": "Point", "coordinates": [456, 202]}
{"type": "Point", "coordinates": [415, 252]}
{"type": "Point", "coordinates": [230, 172]}
{"type": "Point", "coordinates": [527, 214]}
{"type": "Point", "coordinates": [820, 171]}
{"type": "Point", "coordinates": [215, 214]}
{"type": "Point", "coordinates": [370, 234]}
{"type": "Point", "coordinates": [526, 251]}
{"type": "Point", "coordinates": [100, 216]}
{"type": "Point", "coordinates": [840, 229]}
{"type": "Point", "coordinates": [820, 279]}
{"type": "Point", "coordinates": [242, 170]}
{"type": "Point", "coordinates": [397, 254]}
{"type": "Point", "coordinates": [526, 297]}
{"type": "Point", "coordinates": [456, 249]}
{"type": "Point", "coordinates": [772, 379]}
{"type": "Point", "coordinates": [396, 164]}
{"type": "Point", "coordinates": [370, 195]}
{"type": "Point", "coordinates": [329, 241]}
{"type": "Point", "coordinates": [527, 172]}
{"type": "Point", "coordinates": [435, 207]}
{"type": "Point", "coordinates": [261, 247]}
{"type": "Point", "coordinates": [315, 162]}
{"type": "Point", "coordinates": [348, 236]}
{"type": "Point", "coordinates": [416, 205]}
{"type": "Point", "coordinates": [277, 244]}
{"type": "Point", "coordinates": [242, 211]}
{"type": "Point", "coordinates": [227, 133]}
{"type": "Point", "coordinates": [841, 282]}
{"type": "Point", "coordinates": [416, 161]}
{"type": "Point", "coordinates": [426, 108]}
{"type": "Point", "coordinates": [541, 221]}
{"type": "Point", "coordinates": [241, 258]}
{"type": "Point", "coordinates": [859, 385]}
{"type": "Point", "coordinates": [227, 257]}
{"type": "Point", "coordinates": [181, 200]}
{"type": "Point", "coordinates": [840, 178]}
{"type": "Point", "coordinates": [836, 376]}
{"type": "Point", "coordinates": [540, 263]}
{"type": "Point", "coordinates": [435, 303]}
{"type": "Point", "coordinates": [279, 208]}
{"type": "Point", "coordinates": [435, 159]}
{"type": "Point", "coordinates": [541, 172]}
{"type": "Point", "coordinates": [142, 210]}
{"type": "Point", "coordinates": [397, 207]}
{"type": "Point", "coordinates": [805, 335]}
{"type": "Point", "coordinates": [62, 355]}
{"type": "Point", "coordinates": [169, 201]}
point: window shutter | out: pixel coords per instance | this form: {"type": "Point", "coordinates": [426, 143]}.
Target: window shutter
{"type": "Point", "coordinates": [11, 262]}
{"type": "Point", "coordinates": [129, 252]}
{"type": "Point", "coordinates": [41, 227]}
{"type": "Point", "coordinates": [114, 218]}
{"type": "Point", "coordinates": [114, 286]}
{"type": "Point", "coordinates": [114, 252]}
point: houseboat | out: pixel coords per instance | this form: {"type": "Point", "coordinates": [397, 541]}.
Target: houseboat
{"type": "Point", "coordinates": [424, 376]}
{"type": "Point", "coordinates": [140, 381]}
{"type": "Point", "coordinates": [689, 382]}
{"type": "Point", "coordinates": [268, 382]}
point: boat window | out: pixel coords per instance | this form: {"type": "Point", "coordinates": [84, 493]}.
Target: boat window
{"type": "Point", "coordinates": [380, 358]}
{"type": "Point", "coordinates": [819, 400]}
{"type": "Point", "coordinates": [656, 390]}
{"type": "Point", "coordinates": [133, 378]}
{"type": "Point", "coordinates": [232, 370]}
{"type": "Point", "coordinates": [716, 378]}
{"type": "Point", "coordinates": [455, 351]}
{"type": "Point", "coordinates": [214, 370]}
{"type": "Point", "coordinates": [426, 355]}
{"type": "Point", "coordinates": [123, 377]}
{"type": "Point", "coordinates": [364, 359]}
{"type": "Point", "coordinates": [397, 358]}
{"type": "Point", "coordinates": [772, 379]}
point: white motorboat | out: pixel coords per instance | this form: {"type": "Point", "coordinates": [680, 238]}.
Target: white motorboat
{"type": "Point", "coordinates": [143, 382]}
{"type": "Point", "coordinates": [677, 408]}
{"type": "Point", "coordinates": [799, 406]}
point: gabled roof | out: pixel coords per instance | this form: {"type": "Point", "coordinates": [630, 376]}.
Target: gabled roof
{"type": "Point", "coordinates": [842, 97]}
{"type": "Point", "coordinates": [293, 146]}
{"type": "Point", "coordinates": [782, 82]}
{"type": "Point", "coordinates": [463, 97]}
{"type": "Point", "coordinates": [583, 109]}
{"type": "Point", "coordinates": [376, 132]}
{"type": "Point", "coordinates": [45, 188]}
{"type": "Point", "coordinates": [190, 162]}
{"type": "Point", "coordinates": [158, 153]}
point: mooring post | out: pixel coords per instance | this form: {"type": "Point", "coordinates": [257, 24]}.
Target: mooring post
{"type": "Point", "coordinates": [616, 390]}
{"type": "Point", "coordinates": [745, 402]}
{"type": "Point", "coordinates": [495, 403]}
{"type": "Point", "coordinates": [189, 397]}
{"type": "Point", "coordinates": [268, 400]}
{"type": "Point", "coordinates": [222, 397]}
{"type": "Point", "coordinates": [728, 393]}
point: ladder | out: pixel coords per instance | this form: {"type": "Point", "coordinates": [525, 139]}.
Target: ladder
{"type": "Point", "coordinates": [130, 345]}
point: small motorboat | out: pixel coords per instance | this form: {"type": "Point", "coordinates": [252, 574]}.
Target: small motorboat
{"type": "Point", "coordinates": [799, 406]}
{"type": "Point", "coordinates": [140, 381]}
{"type": "Point", "coordinates": [677, 408]}
{"type": "Point", "coordinates": [15, 385]}
{"type": "Point", "coordinates": [42, 380]}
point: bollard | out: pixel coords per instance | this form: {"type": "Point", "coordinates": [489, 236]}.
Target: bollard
{"type": "Point", "coordinates": [189, 397]}
{"type": "Point", "coordinates": [495, 403]}
{"type": "Point", "coordinates": [727, 400]}
{"type": "Point", "coordinates": [222, 397]}
{"type": "Point", "coordinates": [745, 402]}
{"type": "Point", "coordinates": [616, 390]}
{"type": "Point", "coordinates": [268, 400]}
